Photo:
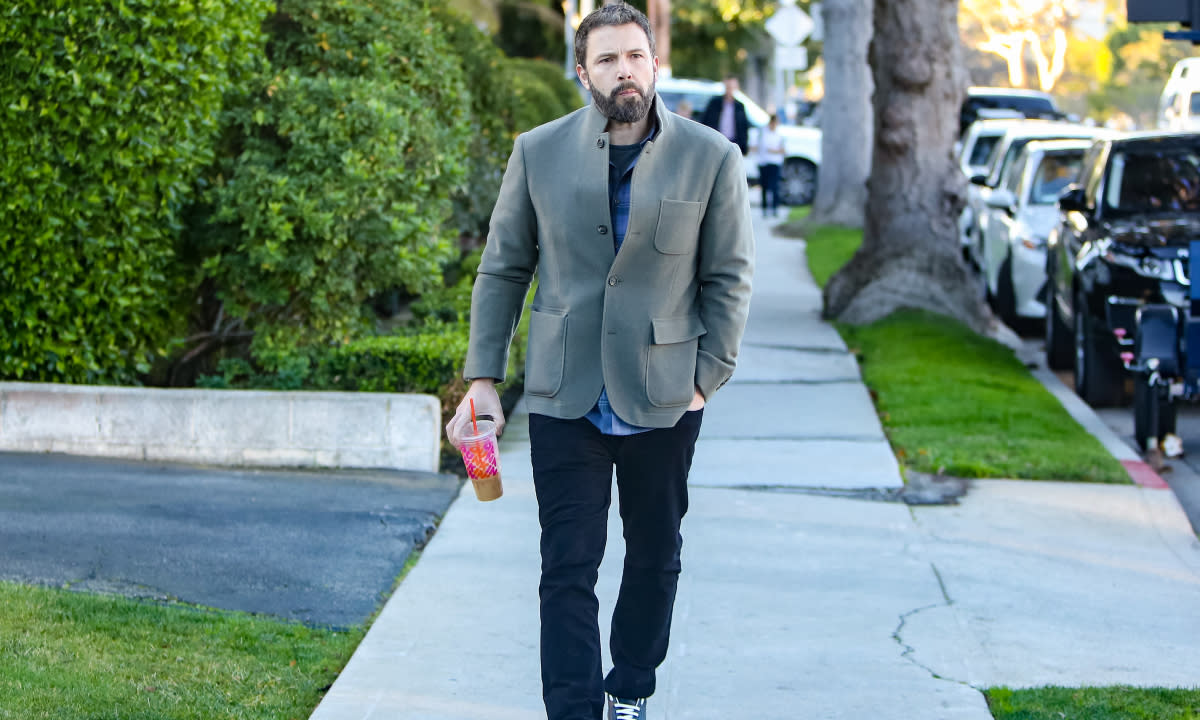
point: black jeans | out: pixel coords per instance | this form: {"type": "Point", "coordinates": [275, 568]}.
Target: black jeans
{"type": "Point", "coordinates": [768, 178]}
{"type": "Point", "coordinates": [572, 473]}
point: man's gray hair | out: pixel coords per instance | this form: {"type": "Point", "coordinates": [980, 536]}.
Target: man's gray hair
{"type": "Point", "coordinates": [615, 14]}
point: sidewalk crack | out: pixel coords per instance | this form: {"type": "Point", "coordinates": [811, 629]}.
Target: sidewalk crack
{"type": "Point", "coordinates": [909, 650]}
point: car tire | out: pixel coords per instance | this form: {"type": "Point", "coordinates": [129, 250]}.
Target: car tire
{"type": "Point", "coordinates": [1058, 336]}
{"type": "Point", "coordinates": [1144, 405]}
{"type": "Point", "coordinates": [797, 182]}
{"type": "Point", "coordinates": [1098, 377]}
{"type": "Point", "coordinates": [1006, 296]}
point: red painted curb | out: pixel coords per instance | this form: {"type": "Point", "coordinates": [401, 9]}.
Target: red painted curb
{"type": "Point", "coordinates": [1144, 475]}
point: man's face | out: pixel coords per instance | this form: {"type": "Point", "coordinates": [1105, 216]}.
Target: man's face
{"type": "Point", "coordinates": [620, 72]}
{"type": "Point", "coordinates": [731, 86]}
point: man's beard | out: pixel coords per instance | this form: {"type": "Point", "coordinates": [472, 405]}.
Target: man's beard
{"type": "Point", "coordinates": [629, 109]}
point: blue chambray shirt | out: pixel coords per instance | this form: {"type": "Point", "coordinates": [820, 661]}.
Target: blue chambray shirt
{"type": "Point", "coordinates": [620, 189]}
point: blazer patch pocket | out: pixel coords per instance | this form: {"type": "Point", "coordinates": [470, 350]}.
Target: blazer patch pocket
{"type": "Point", "coordinates": [547, 352]}
{"type": "Point", "coordinates": [678, 226]}
{"type": "Point", "coordinates": [671, 361]}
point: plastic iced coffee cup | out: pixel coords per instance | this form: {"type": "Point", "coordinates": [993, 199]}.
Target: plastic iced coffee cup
{"type": "Point", "coordinates": [481, 455]}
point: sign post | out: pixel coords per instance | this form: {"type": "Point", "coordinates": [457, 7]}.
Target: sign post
{"type": "Point", "coordinates": [789, 27]}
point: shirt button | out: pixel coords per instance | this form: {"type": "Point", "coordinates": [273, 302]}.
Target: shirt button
{"type": "Point", "coordinates": [602, 229]}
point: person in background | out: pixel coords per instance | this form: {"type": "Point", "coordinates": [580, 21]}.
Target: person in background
{"type": "Point", "coordinates": [769, 154]}
{"type": "Point", "coordinates": [727, 115]}
{"type": "Point", "coordinates": [684, 109]}
{"type": "Point", "coordinates": [642, 299]}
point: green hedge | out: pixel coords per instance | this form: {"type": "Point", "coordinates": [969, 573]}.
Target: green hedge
{"type": "Point", "coordinates": [338, 163]}
{"type": "Point", "coordinates": [540, 92]}
{"type": "Point", "coordinates": [108, 112]}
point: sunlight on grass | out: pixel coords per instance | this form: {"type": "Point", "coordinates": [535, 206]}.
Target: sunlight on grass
{"type": "Point", "coordinates": [954, 402]}
{"type": "Point", "coordinates": [68, 655]}
{"type": "Point", "coordinates": [1103, 703]}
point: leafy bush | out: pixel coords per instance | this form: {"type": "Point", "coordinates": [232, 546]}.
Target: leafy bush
{"type": "Point", "coordinates": [566, 88]}
{"type": "Point", "coordinates": [538, 97]}
{"type": "Point", "coordinates": [109, 111]}
{"type": "Point", "coordinates": [491, 118]}
{"type": "Point", "coordinates": [334, 183]}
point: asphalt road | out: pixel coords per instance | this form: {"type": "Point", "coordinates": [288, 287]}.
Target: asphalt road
{"type": "Point", "coordinates": [320, 547]}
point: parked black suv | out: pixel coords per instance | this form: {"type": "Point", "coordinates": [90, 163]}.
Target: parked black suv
{"type": "Point", "coordinates": [1122, 242]}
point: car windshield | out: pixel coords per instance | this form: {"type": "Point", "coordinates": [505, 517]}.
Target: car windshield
{"type": "Point", "coordinates": [1053, 175]}
{"type": "Point", "coordinates": [982, 150]}
{"type": "Point", "coordinates": [1154, 181]}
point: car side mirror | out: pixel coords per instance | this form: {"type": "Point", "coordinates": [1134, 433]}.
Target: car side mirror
{"type": "Point", "coordinates": [979, 179]}
{"type": "Point", "coordinates": [1072, 199]}
{"type": "Point", "coordinates": [1002, 199]}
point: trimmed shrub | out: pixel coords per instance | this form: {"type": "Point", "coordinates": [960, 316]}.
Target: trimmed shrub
{"type": "Point", "coordinates": [109, 111]}
{"type": "Point", "coordinates": [336, 175]}
{"type": "Point", "coordinates": [566, 89]}
{"type": "Point", "coordinates": [491, 118]}
{"type": "Point", "coordinates": [537, 97]}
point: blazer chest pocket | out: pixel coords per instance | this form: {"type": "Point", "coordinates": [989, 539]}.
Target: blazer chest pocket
{"type": "Point", "coordinates": [547, 352]}
{"type": "Point", "coordinates": [678, 226]}
{"type": "Point", "coordinates": [671, 361]}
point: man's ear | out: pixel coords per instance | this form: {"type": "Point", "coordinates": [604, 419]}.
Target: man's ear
{"type": "Point", "coordinates": [583, 77]}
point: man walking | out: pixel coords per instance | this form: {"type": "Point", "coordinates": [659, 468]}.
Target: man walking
{"type": "Point", "coordinates": [638, 227]}
{"type": "Point", "coordinates": [727, 115]}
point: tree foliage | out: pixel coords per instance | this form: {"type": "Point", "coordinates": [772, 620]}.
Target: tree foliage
{"type": "Point", "coordinates": [108, 112]}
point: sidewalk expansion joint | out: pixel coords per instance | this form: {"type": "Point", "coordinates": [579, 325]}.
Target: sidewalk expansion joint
{"type": "Point", "coordinates": [908, 495]}
{"type": "Point", "coordinates": [817, 349]}
{"type": "Point", "coordinates": [800, 381]}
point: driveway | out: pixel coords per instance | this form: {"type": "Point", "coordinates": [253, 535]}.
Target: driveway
{"type": "Point", "coordinates": [320, 547]}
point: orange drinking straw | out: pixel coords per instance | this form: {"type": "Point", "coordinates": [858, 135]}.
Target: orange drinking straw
{"type": "Point", "coordinates": [474, 426]}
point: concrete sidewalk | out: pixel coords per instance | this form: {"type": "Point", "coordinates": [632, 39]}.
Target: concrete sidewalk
{"type": "Point", "coordinates": [797, 601]}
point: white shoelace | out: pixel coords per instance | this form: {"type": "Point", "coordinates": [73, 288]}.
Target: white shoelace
{"type": "Point", "coordinates": [626, 711]}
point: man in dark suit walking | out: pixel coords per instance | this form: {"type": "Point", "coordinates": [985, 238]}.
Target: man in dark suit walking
{"type": "Point", "coordinates": [727, 115]}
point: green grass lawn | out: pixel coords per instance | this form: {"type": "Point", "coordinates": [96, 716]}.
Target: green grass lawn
{"type": "Point", "coordinates": [1107, 703]}
{"type": "Point", "coordinates": [73, 656]}
{"type": "Point", "coordinates": [954, 402]}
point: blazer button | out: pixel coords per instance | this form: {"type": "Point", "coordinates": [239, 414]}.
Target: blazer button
{"type": "Point", "coordinates": [602, 229]}
{"type": "Point", "coordinates": [614, 281]}
{"type": "Point", "coordinates": [600, 143]}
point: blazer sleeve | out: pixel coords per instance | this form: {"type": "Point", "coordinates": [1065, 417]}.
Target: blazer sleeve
{"type": "Point", "coordinates": [725, 270]}
{"type": "Point", "coordinates": [510, 257]}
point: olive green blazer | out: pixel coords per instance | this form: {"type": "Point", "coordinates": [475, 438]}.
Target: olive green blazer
{"type": "Point", "coordinates": [663, 316]}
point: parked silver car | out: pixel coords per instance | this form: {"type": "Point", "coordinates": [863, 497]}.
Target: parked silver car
{"type": "Point", "coordinates": [974, 152]}
{"type": "Point", "coordinates": [1021, 212]}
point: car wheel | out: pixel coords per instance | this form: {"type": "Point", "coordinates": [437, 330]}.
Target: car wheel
{"type": "Point", "coordinates": [1097, 376]}
{"type": "Point", "coordinates": [797, 182]}
{"type": "Point", "coordinates": [1146, 402]}
{"type": "Point", "coordinates": [1006, 297]}
{"type": "Point", "coordinates": [1058, 335]}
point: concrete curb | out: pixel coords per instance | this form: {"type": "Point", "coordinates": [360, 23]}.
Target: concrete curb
{"type": "Point", "coordinates": [224, 427]}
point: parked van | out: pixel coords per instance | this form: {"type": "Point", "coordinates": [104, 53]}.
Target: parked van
{"type": "Point", "coordinates": [1179, 103]}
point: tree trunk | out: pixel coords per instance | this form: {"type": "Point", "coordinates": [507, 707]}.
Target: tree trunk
{"type": "Point", "coordinates": [659, 14]}
{"type": "Point", "coordinates": [910, 256]}
{"type": "Point", "coordinates": [845, 116]}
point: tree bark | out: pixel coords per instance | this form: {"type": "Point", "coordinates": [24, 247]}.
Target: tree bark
{"type": "Point", "coordinates": [910, 255]}
{"type": "Point", "coordinates": [846, 127]}
{"type": "Point", "coordinates": [659, 14]}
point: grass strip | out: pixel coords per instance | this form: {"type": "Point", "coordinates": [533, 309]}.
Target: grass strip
{"type": "Point", "coordinates": [75, 656]}
{"type": "Point", "coordinates": [954, 402]}
{"type": "Point", "coordinates": [1094, 703]}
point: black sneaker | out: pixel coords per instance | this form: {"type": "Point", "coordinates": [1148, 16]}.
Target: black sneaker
{"type": "Point", "coordinates": [626, 709]}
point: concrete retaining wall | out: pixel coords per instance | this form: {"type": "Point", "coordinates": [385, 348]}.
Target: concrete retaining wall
{"type": "Point", "coordinates": [224, 427]}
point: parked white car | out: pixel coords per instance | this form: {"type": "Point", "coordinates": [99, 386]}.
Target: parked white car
{"type": "Point", "coordinates": [1007, 148]}
{"type": "Point", "coordinates": [801, 144]}
{"type": "Point", "coordinates": [1021, 212]}
{"type": "Point", "coordinates": [974, 152]}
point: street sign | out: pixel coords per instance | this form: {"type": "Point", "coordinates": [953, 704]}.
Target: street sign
{"type": "Point", "coordinates": [789, 26]}
{"type": "Point", "coordinates": [791, 58]}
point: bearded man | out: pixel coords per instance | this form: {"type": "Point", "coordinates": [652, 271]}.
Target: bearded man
{"type": "Point", "coordinates": [638, 226]}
